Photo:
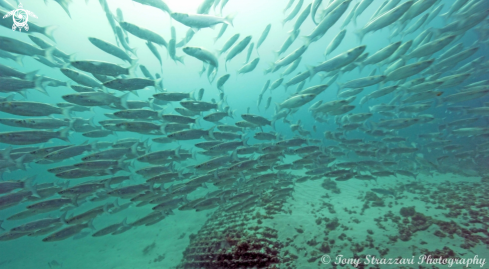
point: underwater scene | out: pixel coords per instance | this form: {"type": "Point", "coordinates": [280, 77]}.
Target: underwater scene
{"type": "Point", "coordinates": [244, 134]}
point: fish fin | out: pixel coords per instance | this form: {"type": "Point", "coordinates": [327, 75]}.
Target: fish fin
{"type": "Point", "coordinates": [64, 5]}
{"type": "Point", "coordinates": [10, 97]}
{"type": "Point", "coordinates": [64, 133]}
{"type": "Point", "coordinates": [18, 59]}
{"type": "Point", "coordinates": [19, 163]}
{"type": "Point", "coordinates": [311, 71]}
{"type": "Point", "coordinates": [123, 100]}
{"type": "Point", "coordinates": [361, 66]}
{"type": "Point", "coordinates": [48, 31]}
{"type": "Point", "coordinates": [39, 87]}
{"type": "Point", "coordinates": [364, 100]}
{"type": "Point", "coordinates": [201, 94]}
{"type": "Point", "coordinates": [48, 53]}
{"type": "Point", "coordinates": [211, 133]}
{"type": "Point", "coordinates": [340, 86]}
{"type": "Point", "coordinates": [360, 34]}
{"type": "Point", "coordinates": [157, 84]}
{"type": "Point", "coordinates": [31, 75]}
{"type": "Point", "coordinates": [29, 186]}
{"type": "Point", "coordinates": [74, 201]}
{"type": "Point", "coordinates": [91, 121]}
{"type": "Point", "coordinates": [163, 128]}
{"type": "Point", "coordinates": [229, 19]}
{"type": "Point", "coordinates": [66, 111]}
{"type": "Point", "coordinates": [177, 151]}
{"type": "Point", "coordinates": [62, 218]}
{"type": "Point", "coordinates": [132, 68]}
{"type": "Point", "coordinates": [106, 206]}
{"type": "Point", "coordinates": [307, 40]}
{"type": "Point", "coordinates": [124, 223]}
{"type": "Point", "coordinates": [180, 59]}
{"type": "Point", "coordinates": [6, 154]}
{"type": "Point", "coordinates": [90, 225]}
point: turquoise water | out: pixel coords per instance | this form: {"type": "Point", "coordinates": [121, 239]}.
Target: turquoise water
{"type": "Point", "coordinates": [358, 205]}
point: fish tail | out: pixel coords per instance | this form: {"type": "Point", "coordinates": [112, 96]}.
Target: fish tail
{"type": "Point", "coordinates": [360, 34]}
{"type": "Point", "coordinates": [31, 187]}
{"type": "Point", "coordinates": [90, 121]}
{"type": "Point", "coordinates": [201, 94]}
{"type": "Point", "coordinates": [436, 33]}
{"type": "Point", "coordinates": [19, 163]}
{"type": "Point", "coordinates": [234, 156]}
{"type": "Point", "coordinates": [124, 223]}
{"type": "Point", "coordinates": [163, 128]}
{"type": "Point", "coordinates": [307, 40]}
{"type": "Point", "coordinates": [31, 75]}
{"type": "Point", "coordinates": [64, 5]}
{"type": "Point", "coordinates": [132, 69]}
{"type": "Point", "coordinates": [39, 86]}
{"type": "Point", "coordinates": [311, 70]}
{"type": "Point", "coordinates": [6, 154]}
{"type": "Point", "coordinates": [48, 53]}
{"type": "Point", "coordinates": [123, 100]}
{"type": "Point", "coordinates": [18, 59]}
{"type": "Point", "coordinates": [340, 86]}
{"type": "Point", "coordinates": [66, 111]}
{"type": "Point", "coordinates": [364, 100]}
{"type": "Point", "coordinates": [48, 32]}
{"type": "Point", "coordinates": [177, 151]}
{"type": "Point", "coordinates": [229, 19]}
{"type": "Point", "coordinates": [361, 66]}
{"type": "Point", "coordinates": [90, 225]}
{"type": "Point", "coordinates": [211, 133]}
{"type": "Point", "coordinates": [123, 165]}
{"type": "Point", "coordinates": [198, 121]}
{"type": "Point", "coordinates": [158, 84]}
{"type": "Point", "coordinates": [63, 134]}
{"type": "Point", "coordinates": [93, 145]}
{"type": "Point", "coordinates": [277, 108]}
{"type": "Point", "coordinates": [180, 59]}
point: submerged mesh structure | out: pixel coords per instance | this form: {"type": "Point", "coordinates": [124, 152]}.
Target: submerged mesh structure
{"type": "Point", "coordinates": [233, 240]}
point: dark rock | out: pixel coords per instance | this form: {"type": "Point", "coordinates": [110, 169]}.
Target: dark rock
{"type": "Point", "coordinates": [408, 211]}
{"type": "Point", "coordinates": [325, 248]}
{"type": "Point", "coordinates": [333, 224]}
{"type": "Point", "coordinates": [440, 234]}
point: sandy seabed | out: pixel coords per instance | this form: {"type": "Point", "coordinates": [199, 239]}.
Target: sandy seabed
{"type": "Point", "coordinates": [303, 224]}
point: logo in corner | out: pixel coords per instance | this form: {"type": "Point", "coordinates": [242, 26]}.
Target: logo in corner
{"type": "Point", "coordinates": [20, 17]}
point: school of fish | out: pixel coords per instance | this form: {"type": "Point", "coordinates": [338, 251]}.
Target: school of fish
{"type": "Point", "coordinates": [241, 156]}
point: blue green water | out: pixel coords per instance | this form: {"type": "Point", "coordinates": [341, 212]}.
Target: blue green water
{"type": "Point", "coordinates": [450, 185]}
